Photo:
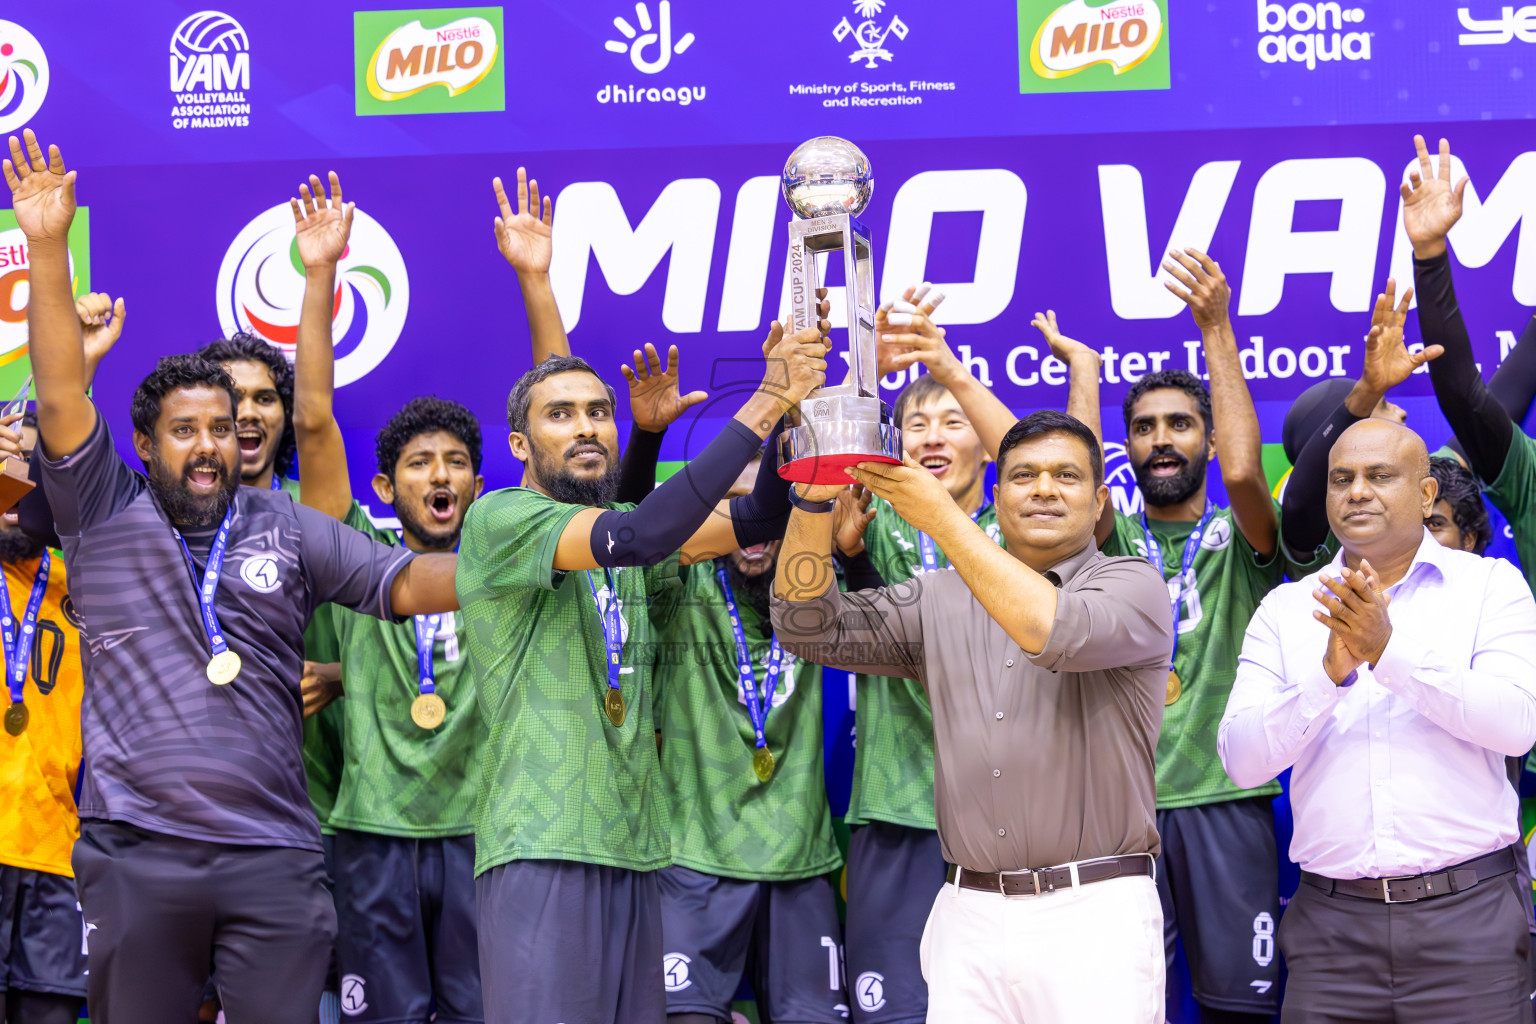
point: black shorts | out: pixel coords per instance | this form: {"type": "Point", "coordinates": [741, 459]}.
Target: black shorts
{"type": "Point", "coordinates": [1219, 881]}
{"type": "Point", "coordinates": [405, 937]}
{"type": "Point", "coordinates": [565, 941]}
{"type": "Point", "coordinates": [784, 936]}
{"type": "Point", "coordinates": [42, 935]}
{"type": "Point", "coordinates": [894, 874]}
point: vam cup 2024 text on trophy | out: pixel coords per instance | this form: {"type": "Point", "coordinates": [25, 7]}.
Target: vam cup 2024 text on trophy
{"type": "Point", "coordinates": [827, 182]}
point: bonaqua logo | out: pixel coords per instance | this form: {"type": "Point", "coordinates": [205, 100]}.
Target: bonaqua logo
{"type": "Point", "coordinates": [1307, 33]}
{"type": "Point", "coordinates": [23, 76]}
{"type": "Point", "coordinates": [261, 286]}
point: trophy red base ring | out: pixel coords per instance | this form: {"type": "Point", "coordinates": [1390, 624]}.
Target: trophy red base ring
{"type": "Point", "coordinates": [829, 469]}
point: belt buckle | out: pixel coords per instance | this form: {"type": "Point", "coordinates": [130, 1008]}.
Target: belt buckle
{"type": "Point", "coordinates": [1002, 882]}
{"type": "Point", "coordinates": [1386, 889]}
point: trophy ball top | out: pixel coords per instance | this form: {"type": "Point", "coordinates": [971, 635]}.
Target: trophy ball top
{"type": "Point", "coordinates": [826, 176]}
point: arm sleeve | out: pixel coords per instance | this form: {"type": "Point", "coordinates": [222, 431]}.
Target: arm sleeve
{"type": "Point", "coordinates": [1116, 616]}
{"type": "Point", "coordinates": [1476, 417]}
{"type": "Point", "coordinates": [89, 485]}
{"type": "Point", "coordinates": [859, 572]}
{"type": "Point", "coordinates": [637, 470]}
{"type": "Point", "coordinates": [1275, 710]}
{"type": "Point", "coordinates": [1514, 382]}
{"type": "Point", "coordinates": [1304, 512]}
{"type": "Point", "coordinates": [33, 513]}
{"type": "Point", "coordinates": [1492, 701]}
{"type": "Point", "coordinates": [347, 567]}
{"type": "Point", "coordinates": [669, 515]}
{"type": "Point", "coordinates": [878, 632]}
{"type": "Point", "coordinates": [763, 515]}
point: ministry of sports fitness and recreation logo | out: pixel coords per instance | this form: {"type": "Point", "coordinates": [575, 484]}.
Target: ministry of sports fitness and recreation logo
{"type": "Point", "coordinates": [261, 287]}
{"type": "Point", "coordinates": [650, 45]}
{"type": "Point", "coordinates": [23, 76]}
{"type": "Point", "coordinates": [870, 34]}
{"type": "Point", "coordinates": [1078, 47]}
{"type": "Point", "coordinates": [442, 61]}
{"type": "Point", "coordinates": [15, 289]}
{"type": "Point", "coordinates": [210, 72]}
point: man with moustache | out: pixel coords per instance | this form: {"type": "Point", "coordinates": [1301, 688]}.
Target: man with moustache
{"type": "Point", "coordinates": [404, 853]}
{"type": "Point", "coordinates": [570, 827]}
{"type": "Point", "coordinates": [740, 724]}
{"type": "Point", "coordinates": [1393, 683]}
{"type": "Point", "coordinates": [198, 844]}
{"type": "Point", "coordinates": [42, 955]}
{"type": "Point", "coordinates": [1044, 663]}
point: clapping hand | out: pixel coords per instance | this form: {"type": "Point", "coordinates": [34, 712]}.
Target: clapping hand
{"type": "Point", "coordinates": [1356, 613]}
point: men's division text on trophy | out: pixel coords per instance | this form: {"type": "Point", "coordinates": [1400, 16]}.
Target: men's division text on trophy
{"type": "Point", "coordinates": [827, 183]}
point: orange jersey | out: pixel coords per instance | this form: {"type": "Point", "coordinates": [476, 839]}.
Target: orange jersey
{"type": "Point", "coordinates": [38, 821]}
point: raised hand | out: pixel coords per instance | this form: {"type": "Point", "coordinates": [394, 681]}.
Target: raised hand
{"type": "Point", "coordinates": [101, 322]}
{"type": "Point", "coordinates": [1062, 347]}
{"type": "Point", "coordinates": [1431, 205]}
{"type": "Point", "coordinates": [42, 191]}
{"type": "Point", "coordinates": [525, 237]}
{"type": "Point", "coordinates": [1387, 360]}
{"type": "Point", "coordinates": [655, 400]}
{"type": "Point", "coordinates": [323, 228]}
{"type": "Point", "coordinates": [1207, 291]}
{"type": "Point", "coordinates": [851, 518]}
{"type": "Point", "coordinates": [905, 334]}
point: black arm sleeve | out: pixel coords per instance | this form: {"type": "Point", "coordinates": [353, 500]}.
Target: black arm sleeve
{"type": "Point", "coordinates": [1476, 417]}
{"type": "Point", "coordinates": [637, 470]}
{"type": "Point", "coordinates": [859, 571]}
{"type": "Point", "coordinates": [763, 515]}
{"type": "Point", "coordinates": [1303, 514]}
{"type": "Point", "coordinates": [1514, 382]}
{"type": "Point", "coordinates": [673, 512]}
{"type": "Point", "coordinates": [33, 513]}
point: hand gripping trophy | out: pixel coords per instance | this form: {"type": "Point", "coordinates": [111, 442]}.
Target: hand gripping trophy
{"type": "Point", "coordinates": [827, 182]}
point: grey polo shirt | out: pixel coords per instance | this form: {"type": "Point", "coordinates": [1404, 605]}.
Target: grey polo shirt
{"type": "Point", "coordinates": [1039, 759]}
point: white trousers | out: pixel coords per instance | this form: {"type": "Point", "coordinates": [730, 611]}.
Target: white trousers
{"type": "Point", "coordinates": [1090, 955]}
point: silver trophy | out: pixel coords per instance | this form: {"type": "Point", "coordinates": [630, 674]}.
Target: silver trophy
{"type": "Point", "coordinates": [827, 183]}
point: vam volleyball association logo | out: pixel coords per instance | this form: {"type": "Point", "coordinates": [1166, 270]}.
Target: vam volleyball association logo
{"type": "Point", "coordinates": [261, 288]}
{"type": "Point", "coordinates": [23, 76]}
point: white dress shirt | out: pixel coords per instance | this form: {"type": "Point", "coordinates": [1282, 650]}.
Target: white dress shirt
{"type": "Point", "coordinates": [1401, 772]}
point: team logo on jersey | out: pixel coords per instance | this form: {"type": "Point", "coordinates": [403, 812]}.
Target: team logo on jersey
{"type": "Point", "coordinates": [674, 971]}
{"type": "Point", "coordinates": [869, 990]}
{"type": "Point", "coordinates": [23, 76]}
{"type": "Point", "coordinates": [1218, 534]}
{"type": "Point", "coordinates": [261, 573]}
{"type": "Point", "coordinates": [353, 999]}
{"type": "Point", "coordinates": [71, 615]}
{"type": "Point", "coordinates": [261, 286]}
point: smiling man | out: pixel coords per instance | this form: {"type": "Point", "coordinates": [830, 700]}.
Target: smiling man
{"type": "Point", "coordinates": [1393, 683]}
{"type": "Point", "coordinates": [1044, 664]}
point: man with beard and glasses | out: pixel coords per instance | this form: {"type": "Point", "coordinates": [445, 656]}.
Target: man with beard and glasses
{"type": "Point", "coordinates": [404, 852]}
{"type": "Point", "coordinates": [198, 845]}
{"type": "Point", "coordinates": [42, 954]}
{"type": "Point", "coordinates": [563, 592]}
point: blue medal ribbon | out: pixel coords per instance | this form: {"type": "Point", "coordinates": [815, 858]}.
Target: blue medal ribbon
{"type": "Point", "coordinates": [18, 648]}
{"type": "Point", "coordinates": [930, 554]}
{"type": "Point", "coordinates": [1186, 566]}
{"type": "Point", "coordinates": [277, 482]}
{"type": "Point", "coordinates": [757, 703]}
{"type": "Point", "coordinates": [426, 635]}
{"type": "Point", "coordinates": [210, 584]}
{"type": "Point", "coordinates": [613, 626]}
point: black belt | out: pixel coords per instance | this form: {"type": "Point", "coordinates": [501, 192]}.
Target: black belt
{"type": "Point", "coordinates": [1428, 886]}
{"type": "Point", "coordinates": [1035, 882]}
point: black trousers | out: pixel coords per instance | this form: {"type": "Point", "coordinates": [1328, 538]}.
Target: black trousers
{"type": "Point", "coordinates": [162, 913]}
{"type": "Point", "coordinates": [1452, 959]}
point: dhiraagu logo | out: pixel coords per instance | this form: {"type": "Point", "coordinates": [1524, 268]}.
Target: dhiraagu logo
{"type": "Point", "coordinates": [440, 61]}
{"type": "Point", "coordinates": [1082, 47]}
{"type": "Point", "coordinates": [16, 290]}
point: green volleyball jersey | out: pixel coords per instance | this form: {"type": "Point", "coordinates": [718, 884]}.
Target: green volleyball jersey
{"type": "Point", "coordinates": [558, 780]}
{"type": "Point", "coordinates": [397, 778]}
{"type": "Point", "coordinates": [1514, 494]}
{"type": "Point", "coordinates": [893, 723]}
{"type": "Point", "coordinates": [1230, 581]}
{"type": "Point", "coordinates": [724, 821]}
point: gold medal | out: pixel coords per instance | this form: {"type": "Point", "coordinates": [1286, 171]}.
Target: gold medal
{"type": "Point", "coordinates": [762, 763]}
{"type": "Point", "coordinates": [428, 711]}
{"type": "Point", "coordinates": [1175, 688]}
{"type": "Point", "coordinates": [614, 705]}
{"type": "Point", "coordinates": [16, 718]}
{"type": "Point", "coordinates": [223, 667]}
